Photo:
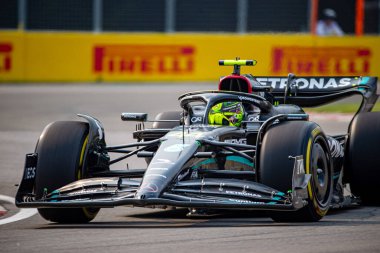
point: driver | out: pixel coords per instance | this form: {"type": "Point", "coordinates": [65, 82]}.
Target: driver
{"type": "Point", "coordinates": [226, 114]}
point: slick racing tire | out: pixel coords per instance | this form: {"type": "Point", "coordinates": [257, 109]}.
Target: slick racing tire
{"type": "Point", "coordinates": [362, 164]}
{"type": "Point", "coordinates": [295, 138]}
{"type": "Point", "coordinates": [172, 115]}
{"type": "Point", "coordinates": [61, 150]}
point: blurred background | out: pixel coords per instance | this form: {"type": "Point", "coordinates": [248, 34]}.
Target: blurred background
{"type": "Point", "coordinates": [243, 16]}
{"type": "Point", "coordinates": [182, 40]}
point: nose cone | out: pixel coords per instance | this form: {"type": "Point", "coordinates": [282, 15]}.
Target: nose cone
{"type": "Point", "coordinates": [148, 191]}
{"type": "Point", "coordinates": [165, 166]}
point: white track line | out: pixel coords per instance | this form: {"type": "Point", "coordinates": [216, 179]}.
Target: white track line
{"type": "Point", "coordinates": [21, 215]}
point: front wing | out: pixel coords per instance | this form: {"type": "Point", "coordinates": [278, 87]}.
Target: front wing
{"type": "Point", "coordinates": [211, 193]}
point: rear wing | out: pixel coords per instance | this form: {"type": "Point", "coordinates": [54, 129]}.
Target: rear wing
{"type": "Point", "coordinates": [315, 91]}
{"type": "Point", "coordinates": [306, 91]}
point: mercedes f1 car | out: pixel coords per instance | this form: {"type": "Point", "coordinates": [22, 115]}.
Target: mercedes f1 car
{"type": "Point", "coordinates": [275, 160]}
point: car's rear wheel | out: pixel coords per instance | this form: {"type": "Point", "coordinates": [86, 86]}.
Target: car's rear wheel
{"type": "Point", "coordinates": [276, 169]}
{"type": "Point", "coordinates": [172, 115]}
{"type": "Point", "coordinates": [61, 150]}
{"type": "Point", "coordinates": [362, 163]}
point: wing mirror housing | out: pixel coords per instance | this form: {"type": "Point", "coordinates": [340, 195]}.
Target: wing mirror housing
{"type": "Point", "coordinates": [134, 116]}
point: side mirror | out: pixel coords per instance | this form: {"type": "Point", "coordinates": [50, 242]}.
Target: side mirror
{"type": "Point", "coordinates": [134, 116]}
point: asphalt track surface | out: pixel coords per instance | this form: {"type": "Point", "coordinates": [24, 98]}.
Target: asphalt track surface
{"type": "Point", "coordinates": [25, 110]}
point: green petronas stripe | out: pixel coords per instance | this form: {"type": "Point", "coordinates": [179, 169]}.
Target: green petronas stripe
{"type": "Point", "coordinates": [240, 159]}
{"type": "Point", "coordinates": [229, 158]}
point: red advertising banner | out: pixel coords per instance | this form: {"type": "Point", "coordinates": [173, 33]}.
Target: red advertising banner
{"type": "Point", "coordinates": [143, 59]}
{"type": "Point", "coordinates": [321, 60]}
{"type": "Point", "coordinates": [5, 57]}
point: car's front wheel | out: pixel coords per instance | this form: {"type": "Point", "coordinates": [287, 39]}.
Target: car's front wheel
{"type": "Point", "coordinates": [61, 153]}
{"type": "Point", "coordinates": [297, 138]}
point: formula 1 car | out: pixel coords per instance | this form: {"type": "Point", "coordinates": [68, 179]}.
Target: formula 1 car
{"type": "Point", "coordinates": [276, 160]}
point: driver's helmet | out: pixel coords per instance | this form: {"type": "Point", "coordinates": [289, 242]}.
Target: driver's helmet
{"type": "Point", "coordinates": [226, 114]}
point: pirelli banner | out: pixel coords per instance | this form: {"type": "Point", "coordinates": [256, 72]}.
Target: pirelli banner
{"type": "Point", "coordinates": [74, 57]}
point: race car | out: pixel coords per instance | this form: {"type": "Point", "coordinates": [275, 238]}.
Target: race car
{"type": "Point", "coordinates": [248, 145]}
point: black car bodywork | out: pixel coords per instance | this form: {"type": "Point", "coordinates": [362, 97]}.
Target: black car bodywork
{"type": "Point", "coordinates": [202, 166]}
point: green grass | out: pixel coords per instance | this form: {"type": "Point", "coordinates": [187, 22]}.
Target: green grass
{"type": "Point", "coordinates": [340, 108]}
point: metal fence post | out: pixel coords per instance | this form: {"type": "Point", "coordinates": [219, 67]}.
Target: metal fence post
{"type": "Point", "coordinates": [97, 15]}
{"type": "Point", "coordinates": [21, 14]}
{"type": "Point", "coordinates": [170, 15]}
{"type": "Point", "coordinates": [242, 15]}
{"type": "Point", "coordinates": [378, 17]}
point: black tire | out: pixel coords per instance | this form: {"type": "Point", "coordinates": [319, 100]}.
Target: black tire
{"type": "Point", "coordinates": [60, 152]}
{"type": "Point", "coordinates": [276, 169]}
{"type": "Point", "coordinates": [172, 115]}
{"type": "Point", "coordinates": [362, 163]}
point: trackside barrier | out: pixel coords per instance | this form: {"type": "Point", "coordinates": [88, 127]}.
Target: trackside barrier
{"type": "Point", "coordinates": [55, 57]}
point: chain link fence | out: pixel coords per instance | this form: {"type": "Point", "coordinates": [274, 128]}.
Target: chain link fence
{"type": "Point", "coordinates": [242, 16]}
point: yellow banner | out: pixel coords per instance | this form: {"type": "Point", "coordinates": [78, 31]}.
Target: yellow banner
{"type": "Point", "coordinates": [57, 57]}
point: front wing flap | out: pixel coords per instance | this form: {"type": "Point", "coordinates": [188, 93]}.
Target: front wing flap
{"type": "Point", "coordinates": [212, 193]}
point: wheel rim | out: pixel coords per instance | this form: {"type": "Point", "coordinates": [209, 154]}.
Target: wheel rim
{"type": "Point", "coordinates": [320, 174]}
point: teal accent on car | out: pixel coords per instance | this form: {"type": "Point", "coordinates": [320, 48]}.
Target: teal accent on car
{"type": "Point", "coordinates": [364, 80]}
{"type": "Point", "coordinates": [240, 159]}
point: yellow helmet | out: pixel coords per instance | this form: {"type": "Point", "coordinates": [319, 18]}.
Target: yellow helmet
{"type": "Point", "coordinates": [226, 114]}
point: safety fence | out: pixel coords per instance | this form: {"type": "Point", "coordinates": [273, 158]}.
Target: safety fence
{"type": "Point", "coordinates": [156, 15]}
{"type": "Point", "coordinates": [242, 16]}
